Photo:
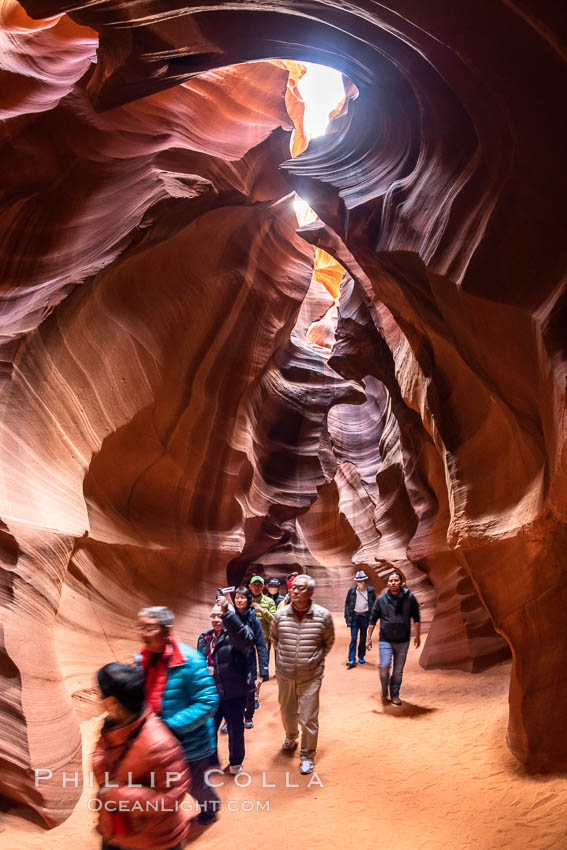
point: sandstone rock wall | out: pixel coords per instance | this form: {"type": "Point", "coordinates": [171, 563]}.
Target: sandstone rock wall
{"type": "Point", "coordinates": [182, 403]}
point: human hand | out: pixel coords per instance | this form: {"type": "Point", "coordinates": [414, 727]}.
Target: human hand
{"type": "Point", "coordinates": [369, 644]}
{"type": "Point", "coordinates": [265, 678]}
{"type": "Point", "coordinates": [222, 602]}
{"type": "Point", "coordinates": [417, 641]}
{"type": "Point", "coordinates": [256, 606]}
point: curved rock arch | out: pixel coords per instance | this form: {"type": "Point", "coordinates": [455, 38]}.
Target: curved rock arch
{"type": "Point", "coordinates": [433, 206]}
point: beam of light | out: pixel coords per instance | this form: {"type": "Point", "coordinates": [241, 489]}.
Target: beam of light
{"type": "Point", "coordinates": [304, 213]}
{"type": "Point", "coordinates": [322, 91]}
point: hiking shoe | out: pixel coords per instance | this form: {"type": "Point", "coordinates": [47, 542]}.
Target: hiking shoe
{"type": "Point", "coordinates": [384, 698]}
{"type": "Point", "coordinates": [235, 768]}
{"type": "Point", "coordinates": [350, 664]}
{"type": "Point", "coordinates": [396, 701]}
{"type": "Point", "coordinates": [306, 766]}
{"type": "Point", "coordinates": [362, 660]}
{"type": "Point", "coordinates": [289, 744]}
{"type": "Point", "coordinates": [248, 724]}
{"type": "Point", "coordinates": [224, 729]}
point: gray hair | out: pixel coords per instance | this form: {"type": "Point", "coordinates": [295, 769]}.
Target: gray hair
{"type": "Point", "coordinates": [310, 580]}
{"type": "Point", "coordinates": [160, 613]}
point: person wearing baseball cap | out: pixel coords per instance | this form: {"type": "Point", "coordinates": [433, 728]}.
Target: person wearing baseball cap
{"type": "Point", "coordinates": [359, 603]}
{"type": "Point", "coordinates": [274, 585]}
{"type": "Point", "coordinates": [263, 604]}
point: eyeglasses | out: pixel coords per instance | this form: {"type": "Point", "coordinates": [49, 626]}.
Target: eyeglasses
{"type": "Point", "coordinates": [148, 630]}
{"type": "Point", "coordinates": [300, 588]}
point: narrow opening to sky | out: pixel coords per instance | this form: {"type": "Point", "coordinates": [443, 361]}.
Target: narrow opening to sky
{"type": "Point", "coordinates": [322, 91]}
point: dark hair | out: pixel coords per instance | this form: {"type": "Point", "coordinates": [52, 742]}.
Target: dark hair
{"type": "Point", "coordinates": [291, 575]}
{"type": "Point", "coordinates": [398, 573]}
{"type": "Point", "coordinates": [244, 591]}
{"type": "Point", "coordinates": [124, 683]}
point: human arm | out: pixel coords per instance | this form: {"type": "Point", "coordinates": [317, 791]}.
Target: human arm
{"type": "Point", "coordinates": [275, 630]}
{"type": "Point", "coordinates": [416, 617]}
{"type": "Point", "coordinates": [240, 633]}
{"type": "Point", "coordinates": [200, 696]}
{"type": "Point", "coordinates": [163, 762]}
{"type": "Point", "coordinates": [348, 611]}
{"type": "Point", "coordinates": [262, 649]}
{"type": "Point", "coordinates": [328, 634]}
{"type": "Point", "coordinates": [265, 609]}
{"type": "Point", "coordinates": [374, 617]}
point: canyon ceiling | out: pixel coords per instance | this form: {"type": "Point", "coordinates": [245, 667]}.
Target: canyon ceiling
{"type": "Point", "coordinates": [184, 401]}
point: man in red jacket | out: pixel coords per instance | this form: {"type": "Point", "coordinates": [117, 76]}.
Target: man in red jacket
{"type": "Point", "coordinates": [179, 689]}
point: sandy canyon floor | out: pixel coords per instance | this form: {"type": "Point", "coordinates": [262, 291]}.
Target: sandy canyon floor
{"type": "Point", "coordinates": [434, 774]}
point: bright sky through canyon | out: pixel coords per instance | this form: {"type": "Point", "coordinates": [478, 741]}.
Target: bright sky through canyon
{"type": "Point", "coordinates": [322, 90]}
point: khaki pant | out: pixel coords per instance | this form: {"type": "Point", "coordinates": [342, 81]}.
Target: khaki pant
{"type": "Point", "coordinates": [300, 701]}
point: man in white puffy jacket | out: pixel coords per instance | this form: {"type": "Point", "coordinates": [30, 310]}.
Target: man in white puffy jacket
{"type": "Point", "coordinates": [303, 635]}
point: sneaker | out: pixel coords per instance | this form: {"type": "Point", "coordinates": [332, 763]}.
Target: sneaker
{"type": "Point", "coordinates": [385, 699]}
{"type": "Point", "coordinates": [224, 729]}
{"type": "Point", "coordinates": [396, 701]}
{"type": "Point", "coordinates": [306, 766]}
{"type": "Point", "coordinates": [350, 664]}
{"type": "Point", "coordinates": [362, 660]}
{"type": "Point", "coordinates": [248, 724]}
{"type": "Point", "coordinates": [289, 744]}
{"type": "Point", "coordinates": [235, 768]}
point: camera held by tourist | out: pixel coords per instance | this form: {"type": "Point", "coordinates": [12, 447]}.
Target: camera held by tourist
{"type": "Point", "coordinates": [180, 689]}
{"type": "Point", "coordinates": [140, 767]}
{"type": "Point", "coordinates": [302, 634]}
{"type": "Point", "coordinates": [226, 647]}
{"type": "Point", "coordinates": [395, 608]}
{"type": "Point", "coordinates": [258, 655]}
{"type": "Point", "coordinates": [359, 603]}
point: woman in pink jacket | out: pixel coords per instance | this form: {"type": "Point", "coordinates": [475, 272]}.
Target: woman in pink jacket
{"type": "Point", "coordinates": [140, 767]}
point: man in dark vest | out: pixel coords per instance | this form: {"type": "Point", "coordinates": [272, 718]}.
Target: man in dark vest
{"type": "Point", "coordinates": [395, 608]}
{"type": "Point", "coordinates": [359, 603]}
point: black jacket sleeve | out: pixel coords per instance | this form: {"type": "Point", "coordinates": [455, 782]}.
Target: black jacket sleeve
{"type": "Point", "coordinates": [376, 613]}
{"type": "Point", "coordinates": [241, 635]}
{"type": "Point", "coordinates": [202, 645]}
{"type": "Point", "coordinates": [414, 609]}
{"type": "Point", "coordinates": [348, 606]}
{"type": "Point", "coordinates": [261, 647]}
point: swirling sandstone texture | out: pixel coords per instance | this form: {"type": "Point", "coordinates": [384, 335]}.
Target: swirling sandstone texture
{"type": "Point", "coordinates": [185, 399]}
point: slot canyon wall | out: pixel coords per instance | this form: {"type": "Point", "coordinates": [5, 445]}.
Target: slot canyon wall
{"type": "Point", "coordinates": [184, 401]}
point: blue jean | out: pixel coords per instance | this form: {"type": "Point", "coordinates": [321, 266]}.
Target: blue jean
{"type": "Point", "coordinates": [397, 651]}
{"type": "Point", "coordinates": [359, 623]}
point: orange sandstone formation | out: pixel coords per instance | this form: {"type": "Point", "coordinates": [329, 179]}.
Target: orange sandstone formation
{"type": "Point", "coordinates": [191, 392]}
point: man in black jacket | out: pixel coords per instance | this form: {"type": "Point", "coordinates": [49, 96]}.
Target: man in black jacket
{"type": "Point", "coordinates": [359, 603]}
{"type": "Point", "coordinates": [226, 647]}
{"type": "Point", "coordinates": [395, 608]}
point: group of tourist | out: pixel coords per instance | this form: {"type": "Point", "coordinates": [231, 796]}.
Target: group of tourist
{"type": "Point", "coordinates": [159, 738]}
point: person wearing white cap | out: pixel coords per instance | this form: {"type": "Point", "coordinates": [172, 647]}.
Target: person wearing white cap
{"type": "Point", "coordinates": [359, 603]}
